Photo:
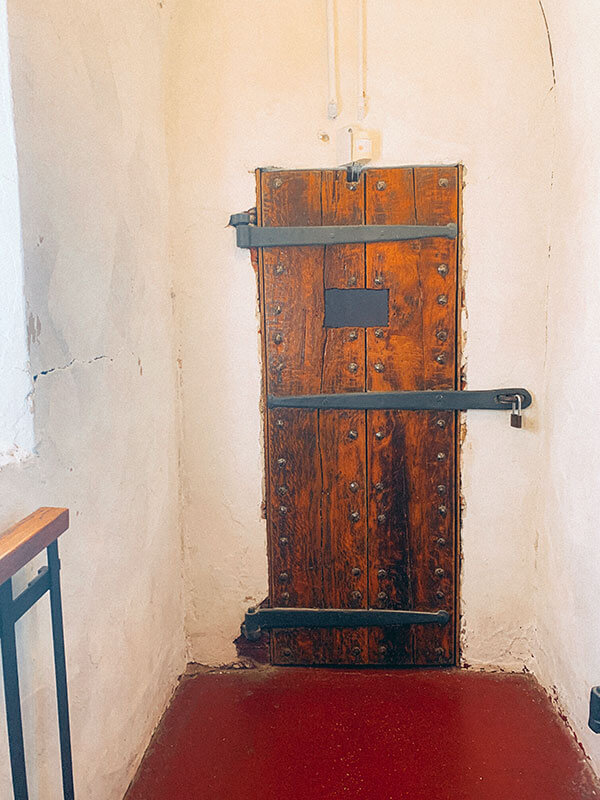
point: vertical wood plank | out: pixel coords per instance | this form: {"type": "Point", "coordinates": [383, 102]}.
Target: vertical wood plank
{"type": "Point", "coordinates": [389, 554]}
{"type": "Point", "coordinates": [394, 362]}
{"type": "Point", "coordinates": [411, 553]}
{"type": "Point", "coordinates": [294, 524]}
{"type": "Point", "coordinates": [344, 515]}
{"type": "Point", "coordinates": [397, 347]}
{"type": "Point", "coordinates": [436, 203]}
{"type": "Point", "coordinates": [294, 335]}
{"type": "Point", "coordinates": [343, 359]}
{"type": "Point", "coordinates": [293, 281]}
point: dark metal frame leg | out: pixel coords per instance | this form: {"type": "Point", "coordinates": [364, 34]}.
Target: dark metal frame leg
{"type": "Point", "coordinates": [12, 695]}
{"type": "Point", "coordinates": [11, 609]}
{"type": "Point", "coordinates": [60, 669]}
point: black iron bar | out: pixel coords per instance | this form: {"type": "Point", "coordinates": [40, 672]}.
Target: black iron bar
{"type": "Point", "coordinates": [256, 236]}
{"type": "Point", "coordinates": [36, 588]}
{"type": "Point", "coordinates": [492, 399]}
{"type": "Point", "coordinates": [258, 619]}
{"type": "Point", "coordinates": [60, 669]}
{"type": "Point", "coordinates": [12, 695]}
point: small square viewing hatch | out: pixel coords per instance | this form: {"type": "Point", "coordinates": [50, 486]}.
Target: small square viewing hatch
{"type": "Point", "coordinates": [356, 308]}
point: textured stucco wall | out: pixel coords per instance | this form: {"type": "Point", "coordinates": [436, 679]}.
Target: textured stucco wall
{"type": "Point", "coordinates": [447, 82]}
{"type": "Point", "coordinates": [89, 111]}
{"type": "Point", "coordinates": [567, 563]}
{"type": "Point", "coordinates": [16, 422]}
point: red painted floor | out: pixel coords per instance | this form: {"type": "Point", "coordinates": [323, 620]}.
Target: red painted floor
{"type": "Point", "coordinates": [329, 734]}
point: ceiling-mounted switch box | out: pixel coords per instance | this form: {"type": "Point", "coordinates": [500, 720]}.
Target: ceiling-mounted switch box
{"type": "Point", "coordinates": [356, 145]}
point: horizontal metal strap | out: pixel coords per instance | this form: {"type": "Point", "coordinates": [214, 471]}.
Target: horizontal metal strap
{"type": "Point", "coordinates": [255, 236]}
{"type": "Point", "coordinates": [258, 619]}
{"type": "Point", "coordinates": [492, 399]}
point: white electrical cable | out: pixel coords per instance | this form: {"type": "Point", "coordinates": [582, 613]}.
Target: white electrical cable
{"type": "Point", "coordinates": [332, 104]}
{"type": "Point", "coordinates": [361, 82]}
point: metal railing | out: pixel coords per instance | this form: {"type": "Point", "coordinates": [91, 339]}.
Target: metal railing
{"type": "Point", "coordinates": [18, 545]}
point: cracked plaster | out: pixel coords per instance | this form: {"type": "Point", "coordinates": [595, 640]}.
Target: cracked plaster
{"type": "Point", "coordinates": [89, 120]}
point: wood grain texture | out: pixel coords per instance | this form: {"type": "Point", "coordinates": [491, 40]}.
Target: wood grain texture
{"type": "Point", "coordinates": [295, 340]}
{"type": "Point", "coordinates": [361, 505]}
{"type": "Point", "coordinates": [294, 524]}
{"type": "Point", "coordinates": [343, 361]}
{"type": "Point", "coordinates": [293, 286]}
{"type": "Point", "coordinates": [23, 541]}
{"type": "Point", "coordinates": [411, 553]}
{"type": "Point", "coordinates": [344, 458]}
{"type": "Point", "coordinates": [436, 203]}
{"type": "Point", "coordinates": [389, 552]}
{"type": "Point", "coordinates": [344, 525]}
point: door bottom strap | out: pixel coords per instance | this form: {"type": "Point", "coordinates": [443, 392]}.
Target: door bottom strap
{"type": "Point", "coordinates": [259, 619]}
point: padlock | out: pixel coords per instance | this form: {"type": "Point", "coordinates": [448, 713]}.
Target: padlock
{"type": "Point", "coordinates": [516, 416]}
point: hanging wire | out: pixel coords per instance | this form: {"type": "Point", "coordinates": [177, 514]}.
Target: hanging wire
{"type": "Point", "coordinates": [332, 104]}
{"type": "Point", "coordinates": [361, 76]}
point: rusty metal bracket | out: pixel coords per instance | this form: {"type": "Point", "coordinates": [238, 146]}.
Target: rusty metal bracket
{"type": "Point", "coordinates": [250, 235]}
{"type": "Point", "coordinates": [259, 619]}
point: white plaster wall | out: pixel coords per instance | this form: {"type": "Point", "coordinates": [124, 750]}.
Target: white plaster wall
{"type": "Point", "coordinates": [88, 92]}
{"type": "Point", "coordinates": [448, 81]}
{"type": "Point", "coordinates": [567, 563]}
{"type": "Point", "coordinates": [16, 422]}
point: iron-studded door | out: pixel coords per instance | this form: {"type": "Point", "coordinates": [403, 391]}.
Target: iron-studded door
{"type": "Point", "coordinates": [361, 504]}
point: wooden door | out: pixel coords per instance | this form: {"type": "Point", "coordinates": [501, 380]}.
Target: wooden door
{"type": "Point", "coordinates": [361, 505]}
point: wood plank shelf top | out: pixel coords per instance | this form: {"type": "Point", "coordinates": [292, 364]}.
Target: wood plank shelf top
{"type": "Point", "coordinates": [23, 541]}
